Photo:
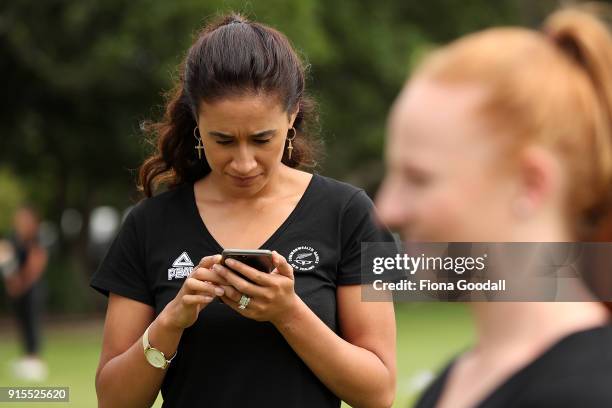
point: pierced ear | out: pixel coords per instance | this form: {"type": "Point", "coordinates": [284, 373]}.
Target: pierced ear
{"type": "Point", "coordinates": [539, 180]}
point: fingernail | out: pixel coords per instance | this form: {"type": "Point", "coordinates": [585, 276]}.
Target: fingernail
{"type": "Point", "coordinates": [219, 291]}
{"type": "Point", "coordinates": [208, 298]}
{"type": "Point", "coordinates": [216, 267]}
{"type": "Point", "coordinates": [229, 262]}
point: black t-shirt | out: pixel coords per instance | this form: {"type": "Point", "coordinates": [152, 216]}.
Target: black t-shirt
{"type": "Point", "coordinates": [22, 249]}
{"type": "Point", "coordinates": [576, 372]}
{"type": "Point", "coordinates": [224, 359]}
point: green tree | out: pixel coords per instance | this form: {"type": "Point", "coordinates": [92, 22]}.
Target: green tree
{"type": "Point", "coordinates": [80, 75]}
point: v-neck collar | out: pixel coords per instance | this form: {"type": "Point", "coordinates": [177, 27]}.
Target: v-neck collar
{"type": "Point", "coordinates": [204, 231]}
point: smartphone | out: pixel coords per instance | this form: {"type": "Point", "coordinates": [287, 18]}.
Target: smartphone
{"type": "Point", "coordinates": [260, 259]}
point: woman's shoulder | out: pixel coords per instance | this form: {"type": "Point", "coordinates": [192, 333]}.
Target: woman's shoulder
{"type": "Point", "coordinates": [577, 371]}
{"type": "Point", "coordinates": [584, 351]}
{"type": "Point", "coordinates": [338, 191]}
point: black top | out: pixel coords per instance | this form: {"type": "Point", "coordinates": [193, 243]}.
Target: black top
{"type": "Point", "coordinates": [22, 249]}
{"type": "Point", "coordinates": [576, 372]}
{"type": "Point", "coordinates": [224, 359]}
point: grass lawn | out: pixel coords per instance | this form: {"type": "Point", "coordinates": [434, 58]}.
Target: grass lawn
{"type": "Point", "coordinates": [428, 335]}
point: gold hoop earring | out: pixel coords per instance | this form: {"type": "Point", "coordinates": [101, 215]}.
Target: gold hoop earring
{"type": "Point", "coordinates": [200, 146]}
{"type": "Point", "coordinates": [290, 146]}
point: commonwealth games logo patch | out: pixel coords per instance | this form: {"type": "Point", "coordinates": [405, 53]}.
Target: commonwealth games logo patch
{"type": "Point", "coordinates": [303, 258]}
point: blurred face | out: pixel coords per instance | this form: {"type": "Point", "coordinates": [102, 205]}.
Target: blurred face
{"type": "Point", "coordinates": [244, 138]}
{"type": "Point", "coordinates": [25, 224]}
{"type": "Point", "coordinates": [443, 180]}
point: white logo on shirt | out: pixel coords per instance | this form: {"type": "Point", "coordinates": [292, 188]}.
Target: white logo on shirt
{"type": "Point", "coordinates": [303, 258]}
{"type": "Point", "coordinates": [181, 267]}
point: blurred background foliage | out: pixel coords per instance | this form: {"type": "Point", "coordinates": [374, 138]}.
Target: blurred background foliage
{"type": "Point", "coordinates": [79, 76]}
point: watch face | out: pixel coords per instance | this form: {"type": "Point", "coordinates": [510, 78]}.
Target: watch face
{"type": "Point", "coordinates": [155, 358]}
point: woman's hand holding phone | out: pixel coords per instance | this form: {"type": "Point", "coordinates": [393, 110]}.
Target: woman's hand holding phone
{"type": "Point", "coordinates": [197, 292]}
{"type": "Point", "coordinates": [272, 294]}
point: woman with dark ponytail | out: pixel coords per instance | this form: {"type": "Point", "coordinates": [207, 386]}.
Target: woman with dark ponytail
{"type": "Point", "coordinates": [505, 135]}
{"type": "Point", "coordinates": [227, 173]}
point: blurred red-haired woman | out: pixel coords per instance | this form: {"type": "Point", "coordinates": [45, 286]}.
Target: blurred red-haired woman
{"type": "Point", "coordinates": [505, 135]}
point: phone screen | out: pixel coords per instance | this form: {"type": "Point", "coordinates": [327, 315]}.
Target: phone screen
{"type": "Point", "coordinates": [260, 262]}
{"type": "Point", "coordinates": [256, 259]}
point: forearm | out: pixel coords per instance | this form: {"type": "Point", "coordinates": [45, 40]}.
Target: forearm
{"type": "Point", "coordinates": [354, 374]}
{"type": "Point", "coordinates": [128, 380]}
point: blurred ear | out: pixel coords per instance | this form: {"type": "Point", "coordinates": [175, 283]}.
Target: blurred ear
{"type": "Point", "coordinates": [540, 180]}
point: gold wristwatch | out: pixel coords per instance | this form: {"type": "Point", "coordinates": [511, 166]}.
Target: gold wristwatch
{"type": "Point", "coordinates": [155, 357]}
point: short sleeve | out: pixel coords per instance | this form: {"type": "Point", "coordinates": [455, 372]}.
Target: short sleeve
{"type": "Point", "coordinates": [123, 270]}
{"type": "Point", "coordinates": [358, 225]}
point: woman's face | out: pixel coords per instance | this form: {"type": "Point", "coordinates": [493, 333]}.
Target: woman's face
{"type": "Point", "coordinates": [25, 224]}
{"type": "Point", "coordinates": [244, 138]}
{"type": "Point", "coordinates": [444, 181]}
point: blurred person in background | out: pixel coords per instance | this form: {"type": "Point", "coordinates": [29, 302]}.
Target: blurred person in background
{"type": "Point", "coordinates": [505, 135]}
{"type": "Point", "coordinates": [235, 132]}
{"type": "Point", "coordinates": [23, 261]}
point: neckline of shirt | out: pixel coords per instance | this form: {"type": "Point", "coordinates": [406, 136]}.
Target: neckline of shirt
{"type": "Point", "coordinates": [204, 231]}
